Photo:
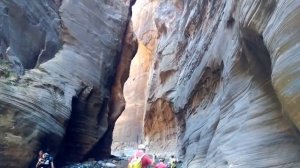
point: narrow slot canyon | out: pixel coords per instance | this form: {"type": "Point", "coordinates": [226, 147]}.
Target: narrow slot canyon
{"type": "Point", "coordinates": [215, 83]}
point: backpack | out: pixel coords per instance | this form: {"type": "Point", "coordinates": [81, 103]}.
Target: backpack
{"type": "Point", "coordinates": [172, 163]}
{"type": "Point", "coordinates": [46, 163]}
{"type": "Point", "coordinates": [136, 162]}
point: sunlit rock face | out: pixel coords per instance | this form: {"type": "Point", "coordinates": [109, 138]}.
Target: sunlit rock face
{"type": "Point", "coordinates": [224, 82]}
{"type": "Point", "coordinates": [128, 132]}
{"type": "Point", "coordinates": [128, 129]}
{"type": "Point", "coordinates": [56, 95]}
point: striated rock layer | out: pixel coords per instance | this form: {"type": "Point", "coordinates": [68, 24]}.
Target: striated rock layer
{"type": "Point", "coordinates": [224, 81]}
{"type": "Point", "coordinates": [117, 102]}
{"type": "Point", "coordinates": [58, 100]}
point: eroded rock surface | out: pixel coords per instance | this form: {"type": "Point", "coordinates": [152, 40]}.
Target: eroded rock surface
{"type": "Point", "coordinates": [61, 101]}
{"type": "Point", "coordinates": [27, 39]}
{"type": "Point", "coordinates": [117, 102]}
{"type": "Point", "coordinates": [228, 73]}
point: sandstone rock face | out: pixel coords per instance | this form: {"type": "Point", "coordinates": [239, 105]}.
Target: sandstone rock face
{"type": "Point", "coordinates": [27, 39]}
{"type": "Point", "coordinates": [128, 132]}
{"type": "Point", "coordinates": [216, 82]}
{"type": "Point", "coordinates": [225, 79]}
{"type": "Point", "coordinates": [128, 129]}
{"type": "Point", "coordinates": [61, 101]}
{"type": "Point", "coordinates": [117, 102]}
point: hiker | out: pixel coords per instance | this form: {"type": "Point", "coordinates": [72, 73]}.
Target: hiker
{"type": "Point", "coordinates": [161, 164]}
{"type": "Point", "coordinates": [172, 162]}
{"type": "Point", "coordinates": [41, 152]}
{"type": "Point", "coordinates": [140, 159]}
{"type": "Point", "coordinates": [40, 157]}
{"type": "Point", "coordinates": [45, 161]}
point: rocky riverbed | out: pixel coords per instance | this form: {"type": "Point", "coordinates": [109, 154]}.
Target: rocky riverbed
{"type": "Point", "coordinates": [113, 162]}
{"type": "Point", "coordinates": [116, 162]}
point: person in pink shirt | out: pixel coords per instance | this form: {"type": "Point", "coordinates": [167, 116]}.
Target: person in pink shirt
{"type": "Point", "coordinates": [161, 164]}
{"type": "Point", "coordinates": [146, 160]}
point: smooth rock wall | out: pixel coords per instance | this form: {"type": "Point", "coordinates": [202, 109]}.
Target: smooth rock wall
{"type": "Point", "coordinates": [117, 102]}
{"type": "Point", "coordinates": [128, 132]}
{"type": "Point", "coordinates": [228, 72]}
{"type": "Point", "coordinates": [27, 39]}
{"type": "Point", "coordinates": [61, 101]}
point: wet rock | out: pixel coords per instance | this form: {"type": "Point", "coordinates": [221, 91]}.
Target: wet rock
{"type": "Point", "coordinates": [120, 163]}
{"type": "Point", "coordinates": [110, 165]}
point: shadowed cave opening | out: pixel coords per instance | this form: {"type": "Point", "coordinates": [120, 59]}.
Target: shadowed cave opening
{"type": "Point", "coordinates": [258, 57]}
{"type": "Point", "coordinates": [88, 110]}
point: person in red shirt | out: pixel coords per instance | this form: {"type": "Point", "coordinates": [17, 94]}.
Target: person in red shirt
{"type": "Point", "coordinates": [161, 164]}
{"type": "Point", "coordinates": [146, 160]}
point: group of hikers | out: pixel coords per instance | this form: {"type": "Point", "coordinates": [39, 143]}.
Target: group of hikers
{"type": "Point", "coordinates": [142, 160]}
{"type": "Point", "coordinates": [139, 160]}
{"type": "Point", "coordinates": [44, 160]}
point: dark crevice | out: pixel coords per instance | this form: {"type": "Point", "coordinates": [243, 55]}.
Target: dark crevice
{"type": "Point", "coordinates": [258, 59]}
{"type": "Point", "coordinates": [100, 150]}
{"type": "Point", "coordinates": [231, 19]}
{"type": "Point", "coordinates": [83, 126]}
{"type": "Point", "coordinates": [256, 52]}
{"type": "Point", "coordinates": [230, 22]}
{"type": "Point", "coordinates": [61, 157]}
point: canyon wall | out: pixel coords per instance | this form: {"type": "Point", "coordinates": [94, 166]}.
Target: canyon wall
{"type": "Point", "coordinates": [214, 82]}
{"type": "Point", "coordinates": [128, 132]}
{"type": "Point", "coordinates": [224, 86]}
{"type": "Point", "coordinates": [59, 60]}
